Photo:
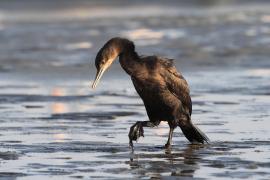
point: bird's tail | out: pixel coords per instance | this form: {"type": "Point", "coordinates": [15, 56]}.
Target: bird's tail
{"type": "Point", "coordinates": [194, 134]}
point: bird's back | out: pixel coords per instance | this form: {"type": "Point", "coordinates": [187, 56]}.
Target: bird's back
{"type": "Point", "coordinates": [162, 88]}
{"type": "Point", "coordinates": [176, 84]}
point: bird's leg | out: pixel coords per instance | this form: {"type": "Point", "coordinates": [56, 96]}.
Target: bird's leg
{"type": "Point", "coordinates": [136, 130]}
{"type": "Point", "coordinates": [169, 142]}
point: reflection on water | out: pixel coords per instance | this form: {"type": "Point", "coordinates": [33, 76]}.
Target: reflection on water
{"type": "Point", "coordinates": [60, 137]}
{"type": "Point", "coordinates": [58, 107]}
{"type": "Point", "coordinates": [57, 91]}
{"type": "Point", "coordinates": [180, 163]}
{"type": "Point", "coordinates": [162, 129]}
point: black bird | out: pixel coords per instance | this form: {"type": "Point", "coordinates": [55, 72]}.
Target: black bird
{"type": "Point", "coordinates": [162, 88]}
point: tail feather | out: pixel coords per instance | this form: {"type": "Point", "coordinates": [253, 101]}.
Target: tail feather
{"type": "Point", "coordinates": [194, 134]}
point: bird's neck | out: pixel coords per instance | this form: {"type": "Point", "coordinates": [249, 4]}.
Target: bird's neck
{"type": "Point", "coordinates": [130, 61]}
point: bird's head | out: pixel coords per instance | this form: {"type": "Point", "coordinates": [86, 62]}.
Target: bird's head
{"type": "Point", "coordinates": [108, 53]}
{"type": "Point", "coordinates": [105, 57]}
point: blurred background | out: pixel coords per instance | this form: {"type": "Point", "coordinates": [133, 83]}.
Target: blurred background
{"type": "Point", "coordinates": [52, 124]}
{"type": "Point", "coordinates": [40, 34]}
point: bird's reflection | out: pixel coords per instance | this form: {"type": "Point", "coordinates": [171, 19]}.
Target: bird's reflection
{"type": "Point", "coordinates": [168, 163]}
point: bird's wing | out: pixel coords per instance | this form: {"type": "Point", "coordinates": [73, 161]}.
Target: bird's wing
{"type": "Point", "coordinates": [176, 84]}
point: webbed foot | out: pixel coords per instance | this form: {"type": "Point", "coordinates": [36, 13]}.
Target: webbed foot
{"type": "Point", "coordinates": [135, 132]}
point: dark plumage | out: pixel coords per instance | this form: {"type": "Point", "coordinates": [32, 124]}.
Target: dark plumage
{"type": "Point", "coordinates": [162, 88]}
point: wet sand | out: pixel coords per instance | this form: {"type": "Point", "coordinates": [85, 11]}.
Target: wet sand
{"type": "Point", "coordinates": [54, 126]}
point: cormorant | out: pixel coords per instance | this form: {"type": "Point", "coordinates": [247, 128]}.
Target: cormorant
{"type": "Point", "coordinates": [164, 91]}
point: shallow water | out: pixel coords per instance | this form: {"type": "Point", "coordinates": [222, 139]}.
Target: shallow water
{"type": "Point", "coordinates": [54, 126]}
{"type": "Point", "coordinates": [65, 129]}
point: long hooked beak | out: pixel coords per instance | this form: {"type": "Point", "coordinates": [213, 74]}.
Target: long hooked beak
{"type": "Point", "coordinates": [98, 76]}
{"type": "Point", "coordinates": [101, 71]}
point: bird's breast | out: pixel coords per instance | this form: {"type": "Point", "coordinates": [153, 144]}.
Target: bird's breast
{"type": "Point", "coordinates": [156, 96]}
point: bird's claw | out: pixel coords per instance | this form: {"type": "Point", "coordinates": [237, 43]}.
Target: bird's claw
{"type": "Point", "coordinates": [136, 131]}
